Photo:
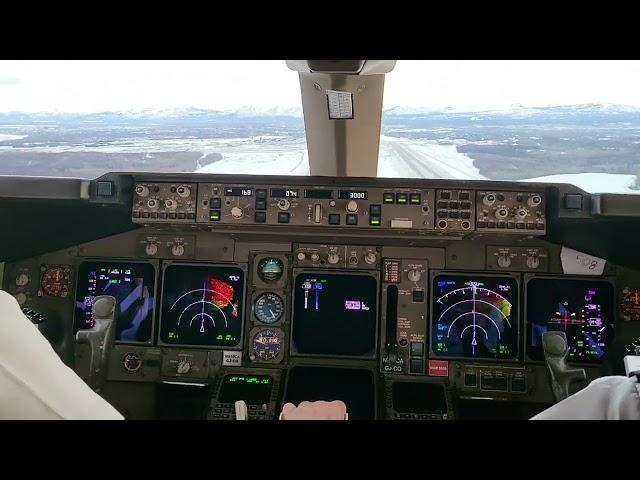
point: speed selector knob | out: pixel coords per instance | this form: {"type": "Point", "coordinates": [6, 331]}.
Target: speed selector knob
{"type": "Point", "coordinates": [333, 258]}
{"type": "Point", "coordinates": [352, 206]}
{"type": "Point", "coordinates": [177, 250]}
{"type": "Point", "coordinates": [236, 212]}
{"type": "Point", "coordinates": [414, 275]}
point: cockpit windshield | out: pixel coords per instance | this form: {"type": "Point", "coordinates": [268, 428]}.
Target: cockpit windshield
{"type": "Point", "coordinates": [554, 121]}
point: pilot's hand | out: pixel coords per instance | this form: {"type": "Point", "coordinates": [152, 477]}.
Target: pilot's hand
{"type": "Point", "coordinates": [319, 410]}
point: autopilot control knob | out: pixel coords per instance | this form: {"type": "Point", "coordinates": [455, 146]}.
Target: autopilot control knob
{"type": "Point", "coordinates": [236, 212]}
{"type": "Point", "coordinates": [171, 204]}
{"type": "Point", "coordinates": [521, 213]}
{"type": "Point", "coordinates": [534, 200]}
{"type": "Point", "coordinates": [142, 190]}
{"type": "Point", "coordinates": [183, 367]}
{"type": "Point", "coordinates": [489, 199]}
{"type": "Point", "coordinates": [414, 275]}
{"type": "Point", "coordinates": [370, 258]}
{"type": "Point", "coordinates": [152, 203]}
{"type": "Point", "coordinates": [501, 213]}
{"type": "Point", "coordinates": [22, 279]}
{"type": "Point", "coordinates": [533, 261]}
{"type": "Point", "coordinates": [352, 206]}
{"type": "Point", "coordinates": [504, 261]}
{"type": "Point", "coordinates": [177, 250]}
{"type": "Point", "coordinates": [333, 258]}
{"type": "Point", "coordinates": [183, 191]}
{"type": "Point", "coordinates": [151, 249]}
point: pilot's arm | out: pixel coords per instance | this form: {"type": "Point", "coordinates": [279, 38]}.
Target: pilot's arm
{"type": "Point", "coordinates": [34, 382]}
{"type": "Point", "coordinates": [607, 398]}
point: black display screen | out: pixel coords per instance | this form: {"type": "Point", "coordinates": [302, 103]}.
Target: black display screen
{"type": "Point", "coordinates": [318, 194]}
{"type": "Point", "coordinates": [474, 317]}
{"type": "Point", "coordinates": [410, 397]}
{"type": "Point", "coordinates": [132, 285]}
{"type": "Point", "coordinates": [583, 309]}
{"type": "Point", "coordinates": [202, 305]}
{"type": "Point", "coordinates": [355, 387]}
{"type": "Point", "coordinates": [253, 389]}
{"type": "Point", "coordinates": [352, 195]}
{"type": "Point", "coordinates": [238, 192]}
{"type": "Point", "coordinates": [335, 314]}
{"type": "Point", "coordinates": [285, 192]}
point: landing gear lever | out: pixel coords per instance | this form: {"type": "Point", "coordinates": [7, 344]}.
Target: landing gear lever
{"type": "Point", "coordinates": [556, 351]}
{"type": "Point", "coordinates": [100, 339]}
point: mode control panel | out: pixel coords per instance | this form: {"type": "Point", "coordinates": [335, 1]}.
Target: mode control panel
{"type": "Point", "coordinates": [164, 201]}
{"type": "Point", "coordinates": [519, 259]}
{"type": "Point", "coordinates": [511, 212]}
{"type": "Point", "coordinates": [455, 210]}
{"type": "Point", "coordinates": [337, 256]}
{"type": "Point", "coordinates": [404, 326]}
{"type": "Point", "coordinates": [315, 206]}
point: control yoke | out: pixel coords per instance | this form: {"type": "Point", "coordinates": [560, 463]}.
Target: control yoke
{"type": "Point", "coordinates": [100, 339]}
{"type": "Point", "coordinates": [556, 352]}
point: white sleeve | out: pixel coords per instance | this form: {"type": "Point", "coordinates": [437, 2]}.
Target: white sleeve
{"type": "Point", "coordinates": [607, 398]}
{"type": "Point", "coordinates": [34, 382]}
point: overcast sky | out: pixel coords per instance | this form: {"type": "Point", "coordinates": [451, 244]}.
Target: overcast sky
{"type": "Point", "coordinates": [89, 86]}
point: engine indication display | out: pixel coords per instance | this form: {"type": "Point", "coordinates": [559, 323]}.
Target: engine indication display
{"type": "Point", "coordinates": [202, 305]}
{"type": "Point", "coordinates": [266, 343]}
{"type": "Point", "coordinates": [475, 317]}
{"type": "Point", "coordinates": [581, 308]}
{"type": "Point", "coordinates": [268, 307]}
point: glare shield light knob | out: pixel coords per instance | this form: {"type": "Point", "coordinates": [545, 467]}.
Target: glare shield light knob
{"type": "Point", "coordinates": [151, 249]}
{"type": "Point", "coordinates": [177, 250]}
{"type": "Point", "coordinates": [370, 258]}
{"type": "Point", "coordinates": [414, 275]}
{"type": "Point", "coordinates": [504, 261]}
{"type": "Point", "coordinates": [333, 258]}
{"type": "Point", "coordinates": [533, 261]}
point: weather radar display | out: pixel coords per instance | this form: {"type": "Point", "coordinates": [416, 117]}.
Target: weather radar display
{"type": "Point", "coordinates": [202, 305]}
{"type": "Point", "coordinates": [475, 317]}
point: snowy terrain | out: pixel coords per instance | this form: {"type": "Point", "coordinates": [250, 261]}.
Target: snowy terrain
{"type": "Point", "coordinates": [593, 182]}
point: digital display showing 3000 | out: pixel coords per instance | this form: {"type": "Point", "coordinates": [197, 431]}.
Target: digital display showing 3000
{"type": "Point", "coordinates": [475, 317]}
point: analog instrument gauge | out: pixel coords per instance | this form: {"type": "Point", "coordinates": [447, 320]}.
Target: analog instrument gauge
{"type": "Point", "coordinates": [630, 304]}
{"type": "Point", "coordinates": [268, 307]}
{"type": "Point", "coordinates": [270, 269]}
{"type": "Point", "coordinates": [56, 281]}
{"type": "Point", "coordinates": [131, 362]}
{"type": "Point", "coordinates": [266, 344]}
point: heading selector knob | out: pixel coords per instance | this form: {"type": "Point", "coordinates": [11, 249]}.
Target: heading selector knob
{"type": "Point", "coordinates": [352, 206]}
{"type": "Point", "coordinates": [333, 258]}
{"type": "Point", "coordinates": [414, 275]}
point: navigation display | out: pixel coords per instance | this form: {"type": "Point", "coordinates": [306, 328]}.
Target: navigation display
{"type": "Point", "coordinates": [132, 285]}
{"type": "Point", "coordinates": [475, 317]}
{"type": "Point", "coordinates": [335, 314]}
{"type": "Point", "coordinates": [582, 308]}
{"type": "Point", "coordinates": [202, 305]}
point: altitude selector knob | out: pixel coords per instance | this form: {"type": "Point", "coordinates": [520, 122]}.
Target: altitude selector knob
{"type": "Point", "coordinates": [333, 258]}
{"type": "Point", "coordinates": [352, 206]}
{"type": "Point", "coordinates": [236, 212]}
